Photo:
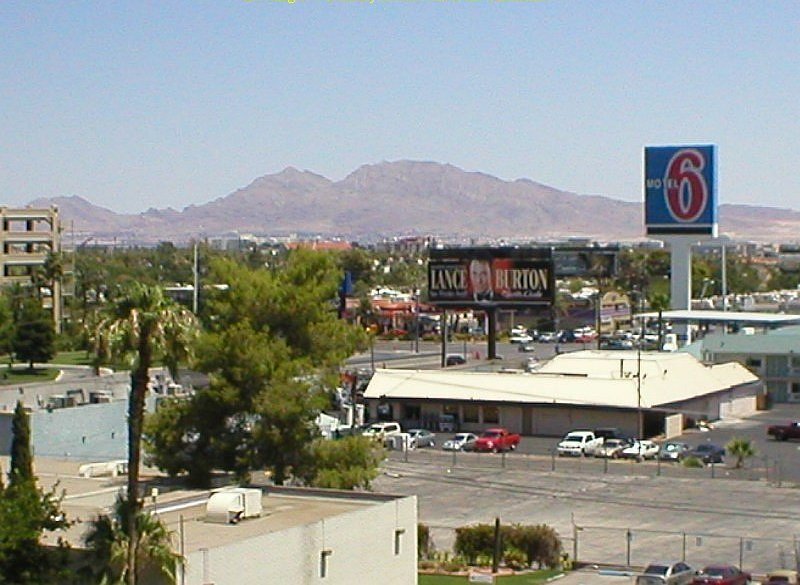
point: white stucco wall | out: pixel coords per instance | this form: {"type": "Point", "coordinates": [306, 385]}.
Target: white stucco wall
{"type": "Point", "coordinates": [361, 545]}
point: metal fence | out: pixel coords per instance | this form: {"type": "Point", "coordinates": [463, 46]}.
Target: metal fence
{"type": "Point", "coordinates": [753, 469]}
{"type": "Point", "coordinates": [636, 547]}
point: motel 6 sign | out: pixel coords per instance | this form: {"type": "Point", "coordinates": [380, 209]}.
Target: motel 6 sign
{"type": "Point", "coordinates": [680, 190]}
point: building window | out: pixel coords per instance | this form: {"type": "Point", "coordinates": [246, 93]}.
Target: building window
{"type": "Point", "coordinates": [491, 414]}
{"type": "Point", "coordinates": [754, 363]}
{"type": "Point", "coordinates": [795, 390]}
{"type": "Point", "coordinates": [470, 413]}
{"type": "Point", "coordinates": [795, 362]}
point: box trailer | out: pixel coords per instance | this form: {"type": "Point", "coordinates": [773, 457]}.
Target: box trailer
{"type": "Point", "coordinates": [229, 505]}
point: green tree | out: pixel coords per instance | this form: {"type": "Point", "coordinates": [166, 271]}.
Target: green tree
{"type": "Point", "coordinates": [25, 513]}
{"type": "Point", "coordinates": [34, 335]}
{"type": "Point", "coordinates": [6, 323]}
{"type": "Point", "coordinates": [21, 456]}
{"type": "Point", "coordinates": [140, 326]}
{"type": "Point", "coordinates": [274, 344]}
{"type": "Point", "coordinates": [741, 449]}
{"type": "Point", "coordinates": [108, 540]}
{"type": "Point", "coordinates": [346, 464]}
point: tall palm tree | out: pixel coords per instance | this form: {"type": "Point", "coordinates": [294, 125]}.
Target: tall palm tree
{"type": "Point", "coordinates": [141, 325]}
{"type": "Point", "coordinates": [108, 540]}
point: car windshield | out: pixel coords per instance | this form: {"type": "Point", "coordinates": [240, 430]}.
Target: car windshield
{"type": "Point", "coordinates": [702, 448]}
{"type": "Point", "coordinates": [613, 443]}
{"type": "Point", "coordinates": [672, 447]}
{"type": "Point", "coordinates": [718, 572]}
{"type": "Point", "coordinates": [491, 434]}
{"type": "Point", "coordinates": [657, 570]}
{"type": "Point", "coordinates": [576, 438]}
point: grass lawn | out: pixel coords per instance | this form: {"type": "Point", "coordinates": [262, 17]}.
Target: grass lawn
{"type": "Point", "coordinates": [73, 358]}
{"type": "Point", "coordinates": [20, 374]}
{"type": "Point", "coordinates": [535, 578]}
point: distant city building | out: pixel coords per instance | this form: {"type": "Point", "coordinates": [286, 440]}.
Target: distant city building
{"type": "Point", "coordinates": [28, 236]}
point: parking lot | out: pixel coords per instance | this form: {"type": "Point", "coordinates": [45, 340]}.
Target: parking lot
{"type": "Point", "coordinates": [622, 512]}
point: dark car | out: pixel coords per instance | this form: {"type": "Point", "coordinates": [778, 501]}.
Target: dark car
{"type": "Point", "coordinates": [455, 360]}
{"type": "Point", "coordinates": [707, 453]}
{"type": "Point", "coordinates": [721, 575]}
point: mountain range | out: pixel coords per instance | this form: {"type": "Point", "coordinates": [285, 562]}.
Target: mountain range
{"type": "Point", "coordinates": [401, 198]}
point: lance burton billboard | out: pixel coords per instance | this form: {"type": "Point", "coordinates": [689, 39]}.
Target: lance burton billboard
{"type": "Point", "coordinates": [680, 190]}
{"type": "Point", "coordinates": [491, 277]}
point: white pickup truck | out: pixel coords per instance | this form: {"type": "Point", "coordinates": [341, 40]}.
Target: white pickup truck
{"type": "Point", "coordinates": [578, 443]}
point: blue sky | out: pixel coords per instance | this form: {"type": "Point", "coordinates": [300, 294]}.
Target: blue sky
{"type": "Point", "coordinates": [154, 103]}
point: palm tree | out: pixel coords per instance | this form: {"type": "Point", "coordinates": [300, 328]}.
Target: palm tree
{"type": "Point", "coordinates": [659, 302]}
{"type": "Point", "coordinates": [142, 325]}
{"type": "Point", "coordinates": [741, 449]}
{"type": "Point", "coordinates": [108, 540]}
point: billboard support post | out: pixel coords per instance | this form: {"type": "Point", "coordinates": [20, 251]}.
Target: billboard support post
{"type": "Point", "coordinates": [492, 333]}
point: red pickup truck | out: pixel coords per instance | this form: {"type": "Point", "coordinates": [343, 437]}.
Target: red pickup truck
{"type": "Point", "coordinates": [495, 440]}
{"type": "Point", "coordinates": [784, 432]}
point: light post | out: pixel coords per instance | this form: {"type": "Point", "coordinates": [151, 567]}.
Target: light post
{"type": "Point", "coordinates": [416, 321]}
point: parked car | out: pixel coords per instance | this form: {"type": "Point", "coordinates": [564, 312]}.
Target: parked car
{"type": "Point", "coordinates": [381, 430]}
{"type": "Point", "coordinates": [455, 359]}
{"type": "Point", "coordinates": [612, 433]}
{"type": "Point", "coordinates": [548, 336]}
{"type": "Point", "coordinates": [421, 438]}
{"type": "Point", "coordinates": [461, 442]}
{"type": "Point", "coordinates": [666, 573]}
{"type": "Point", "coordinates": [527, 347]}
{"type": "Point", "coordinates": [578, 443]}
{"type": "Point", "coordinates": [784, 432]}
{"type": "Point", "coordinates": [707, 453]}
{"type": "Point", "coordinates": [520, 338]}
{"type": "Point", "coordinates": [610, 448]}
{"type": "Point", "coordinates": [721, 575]}
{"type": "Point", "coordinates": [673, 451]}
{"type": "Point", "coordinates": [640, 450]}
{"type": "Point", "coordinates": [781, 577]}
{"type": "Point", "coordinates": [496, 440]}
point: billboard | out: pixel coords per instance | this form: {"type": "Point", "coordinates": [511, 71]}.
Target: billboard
{"type": "Point", "coordinates": [490, 277]}
{"type": "Point", "coordinates": [680, 190]}
{"type": "Point", "coordinates": [585, 262]}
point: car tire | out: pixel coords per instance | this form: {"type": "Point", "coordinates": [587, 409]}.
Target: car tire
{"type": "Point", "coordinates": [513, 447]}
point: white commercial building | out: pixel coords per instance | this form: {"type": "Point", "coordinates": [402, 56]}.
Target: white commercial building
{"type": "Point", "coordinates": [582, 389]}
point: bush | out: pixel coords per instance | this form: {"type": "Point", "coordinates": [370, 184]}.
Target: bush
{"type": "Point", "coordinates": [454, 565]}
{"type": "Point", "coordinates": [472, 541]}
{"type": "Point", "coordinates": [515, 559]}
{"type": "Point", "coordinates": [538, 543]}
{"type": "Point", "coordinates": [692, 462]}
{"type": "Point", "coordinates": [425, 546]}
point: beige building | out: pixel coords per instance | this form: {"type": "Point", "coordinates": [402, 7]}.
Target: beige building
{"type": "Point", "coordinates": [28, 236]}
{"type": "Point", "coordinates": [584, 389]}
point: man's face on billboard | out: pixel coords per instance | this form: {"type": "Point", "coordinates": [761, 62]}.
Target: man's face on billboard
{"type": "Point", "coordinates": [480, 276]}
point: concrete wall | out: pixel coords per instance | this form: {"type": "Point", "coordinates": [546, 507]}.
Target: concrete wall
{"type": "Point", "coordinates": [361, 543]}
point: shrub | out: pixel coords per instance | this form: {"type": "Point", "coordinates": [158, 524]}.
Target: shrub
{"type": "Point", "coordinates": [692, 462]}
{"type": "Point", "coordinates": [540, 543]}
{"type": "Point", "coordinates": [515, 559]}
{"type": "Point", "coordinates": [425, 547]}
{"type": "Point", "coordinates": [454, 565]}
{"type": "Point", "coordinates": [472, 541]}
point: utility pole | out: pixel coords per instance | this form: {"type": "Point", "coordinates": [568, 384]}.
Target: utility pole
{"type": "Point", "coordinates": [196, 274]}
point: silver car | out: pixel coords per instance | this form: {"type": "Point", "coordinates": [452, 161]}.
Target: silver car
{"type": "Point", "coordinates": [666, 573]}
{"type": "Point", "coordinates": [461, 442]}
{"type": "Point", "coordinates": [421, 438]}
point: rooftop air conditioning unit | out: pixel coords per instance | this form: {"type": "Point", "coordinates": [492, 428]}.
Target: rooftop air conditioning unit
{"type": "Point", "coordinates": [229, 505]}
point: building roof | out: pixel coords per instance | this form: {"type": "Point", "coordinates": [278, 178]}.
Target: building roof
{"type": "Point", "coordinates": [752, 344]}
{"type": "Point", "coordinates": [687, 316]}
{"type": "Point", "coordinates": [591, 378]}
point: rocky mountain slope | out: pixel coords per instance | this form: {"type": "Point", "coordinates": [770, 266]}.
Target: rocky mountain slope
{"type": "Point", "coordinates": [402, 198]}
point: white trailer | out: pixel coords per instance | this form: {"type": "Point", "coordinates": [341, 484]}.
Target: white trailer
{"type": "Point", "coordinates": [229, 505]}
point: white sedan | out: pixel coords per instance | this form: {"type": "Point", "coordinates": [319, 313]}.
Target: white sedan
{"type": "Point", "coordinates": [640, 450]}
{"type": "Point", "coordinates": [461, 442]}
